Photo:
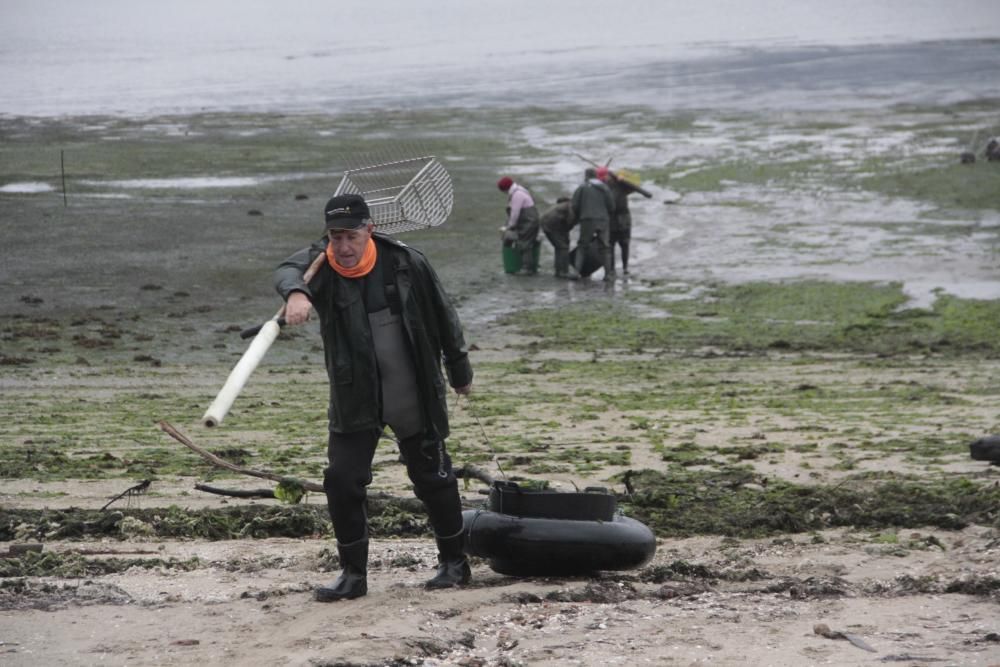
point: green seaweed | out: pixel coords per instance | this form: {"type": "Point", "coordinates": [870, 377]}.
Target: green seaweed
{"type": "Point", "coordinates": [862, 318]}
{"type": "Point", "coordinates": [720, 503]}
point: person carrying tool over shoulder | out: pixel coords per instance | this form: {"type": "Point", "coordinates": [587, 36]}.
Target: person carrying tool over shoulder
{"type": "Point", "coordinates": [386, 324]}
{"type": "Point", "coordinates": [621, 220]}
{"type": "Point", "coordinates": [522, 222]}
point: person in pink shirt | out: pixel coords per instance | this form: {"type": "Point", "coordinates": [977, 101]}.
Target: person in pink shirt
{"type": "Point", "coordinates": [522, 222]}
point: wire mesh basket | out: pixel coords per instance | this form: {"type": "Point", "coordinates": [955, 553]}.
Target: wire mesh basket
{"type": "Point", "coordinates": [402, 195]}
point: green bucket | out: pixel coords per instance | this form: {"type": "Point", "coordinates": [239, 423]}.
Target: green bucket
{"type": "Point", "coordinates": [512, 257]}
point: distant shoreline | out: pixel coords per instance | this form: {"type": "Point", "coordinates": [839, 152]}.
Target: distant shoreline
{"type": "Point", "coordinates": [737, 76]}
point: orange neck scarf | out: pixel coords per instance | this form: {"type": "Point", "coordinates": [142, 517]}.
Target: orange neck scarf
{"type": "Point", "coordinates": [359, 270]}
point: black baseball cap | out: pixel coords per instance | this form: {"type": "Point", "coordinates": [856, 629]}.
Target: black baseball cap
{"type": "Point", "coordinates": [346, 212]}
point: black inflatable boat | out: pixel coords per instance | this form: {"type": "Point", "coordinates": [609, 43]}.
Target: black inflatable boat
{"type": "Point", "coordinates": [535, 533]}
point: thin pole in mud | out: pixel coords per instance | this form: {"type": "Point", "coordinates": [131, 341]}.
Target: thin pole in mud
{"type": "Point", "coordinates": [62, 168]}
{"type": "Point", "coordinates": [496, 459]}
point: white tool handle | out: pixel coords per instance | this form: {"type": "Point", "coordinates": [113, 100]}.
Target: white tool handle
{"type": "Point", "coordinates": [241, 373]}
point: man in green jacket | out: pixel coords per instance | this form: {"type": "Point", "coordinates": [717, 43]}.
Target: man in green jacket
{"type": "Point", "coordinates": [593, 208]}
{"type": "Point", "coordinates": [386, 325]}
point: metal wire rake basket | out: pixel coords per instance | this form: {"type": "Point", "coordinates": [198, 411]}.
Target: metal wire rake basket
{"type": "Point", "coordinates": [402, 195]}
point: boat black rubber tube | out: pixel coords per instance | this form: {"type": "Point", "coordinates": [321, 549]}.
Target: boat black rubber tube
{"type": "Point", "coordinates": [529, 546]}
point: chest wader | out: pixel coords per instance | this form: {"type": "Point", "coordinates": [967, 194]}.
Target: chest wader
{"type": "Point", "coordinates": [556, 229]}
{"type": "Point", "coordinates": [527, 237]}
{"type": "Point", "coordinates": [594, 233]}
{"type": "Point", "coordinates": [595, 229]}
{"type": "Point", "coordinates": [427, 462]}
{"type": "Point", "coordinates": [621, 234]}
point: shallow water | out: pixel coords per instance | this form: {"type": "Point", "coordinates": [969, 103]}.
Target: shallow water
{"type": "Point", "coordinates": [59, 57]}
{"type": "Point", "coordinates": [807, 222]}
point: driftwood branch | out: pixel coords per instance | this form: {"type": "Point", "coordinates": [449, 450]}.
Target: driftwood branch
{"type": "Point", "coordinates": [235, 493]}
{"type": "Point", "coordinates": [469, 471]}
{"type": "Point", "coordinates": [222, 463]}
{"type": "Point", "coordinates": [466, 471]}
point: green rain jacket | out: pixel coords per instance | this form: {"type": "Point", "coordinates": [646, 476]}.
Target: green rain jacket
{"type": "Point", "coordinates": [432, 327]}
{"type": "Point", "coordinates": [592, 200]}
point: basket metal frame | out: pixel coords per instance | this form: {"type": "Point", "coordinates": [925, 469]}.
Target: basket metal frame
{"type": "Point", "coordinates": [403, 195]}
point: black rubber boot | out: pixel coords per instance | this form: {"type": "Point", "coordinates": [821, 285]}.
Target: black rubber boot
{"type": "Point", "coordinates": [609, 265]}
{"type": "Point", "coordinates": [453, 566]}
{"type": "Point", "coordinates": [561, 263]}
{"type": "Point", "coordinates": [528, 267]}
{"type": "Point", "coordinates": [353, 581]}
{"type": "Point", "coordinates": [579, 260]}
